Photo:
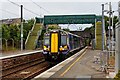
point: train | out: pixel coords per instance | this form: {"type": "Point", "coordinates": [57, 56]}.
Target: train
{"type": "Point", "coordinates": [59, 43]}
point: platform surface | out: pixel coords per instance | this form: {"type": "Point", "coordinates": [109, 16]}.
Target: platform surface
{"type": "Point", "coordinates": [83, 67]}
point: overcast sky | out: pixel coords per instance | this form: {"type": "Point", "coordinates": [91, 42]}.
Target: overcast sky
{"type": "Point", "coordinates": [54, 7]}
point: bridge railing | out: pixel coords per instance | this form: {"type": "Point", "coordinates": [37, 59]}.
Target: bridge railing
{"type": "Point", "coordinates": [38, 35]}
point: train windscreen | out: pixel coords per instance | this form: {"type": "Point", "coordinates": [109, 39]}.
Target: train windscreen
{"type": "Point", "coordinates": [63, 40]}
{"type": "Point", "coordinates": [46, 41]}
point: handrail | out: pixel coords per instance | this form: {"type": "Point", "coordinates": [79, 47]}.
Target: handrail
{"type": "Point", "coordinates": [30, 32]}
{"type": "Point", "coordinates": [33, 25]}
{"type": "Point", "coordinates": [38, 34]}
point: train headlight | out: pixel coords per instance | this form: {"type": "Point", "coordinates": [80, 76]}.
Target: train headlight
{"type": "Point", "coordinates": [65, 47]}
{"type": "Point", "coordinates": [61, 48]}
{"type": "Point", "coordinates": [45, 48]}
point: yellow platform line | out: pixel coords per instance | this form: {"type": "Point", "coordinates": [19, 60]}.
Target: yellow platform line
{"type": "Point", "coordinates": [72, 64]}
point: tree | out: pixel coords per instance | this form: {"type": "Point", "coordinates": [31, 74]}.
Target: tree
{"type": "Point", "coordinates": [5, 31]}
{"type": "Point", "coordinates": [27, 26]}
{"type": "Point", "coordinates": [92, 28]}
{"type": "Point", "coordinates": [50, 27]}
{"type": "Point", "coordinates": [14, 31]}
{"type": "Point", "coordinates": [66, 29]}
{"type": "Point", "coordinates": [115, 20]}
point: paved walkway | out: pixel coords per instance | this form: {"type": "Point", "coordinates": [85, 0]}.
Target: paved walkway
{"type": "Point", "coordinates": [85, 67]}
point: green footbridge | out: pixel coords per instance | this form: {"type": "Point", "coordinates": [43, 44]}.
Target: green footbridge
{"type": "Point", "coordinates": [37, 31]}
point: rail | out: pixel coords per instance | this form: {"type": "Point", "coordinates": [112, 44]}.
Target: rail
{"type": "Point", "coordinates": [24, 67]}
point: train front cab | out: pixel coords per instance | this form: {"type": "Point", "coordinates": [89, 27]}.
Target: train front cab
{"type": "Point", "coordinates": [55, 46]}
{"type": "Point", "coordinates": [51, 45]}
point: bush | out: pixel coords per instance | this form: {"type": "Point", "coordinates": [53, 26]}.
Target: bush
{"type": "Point", "coordinates": [117, 77]}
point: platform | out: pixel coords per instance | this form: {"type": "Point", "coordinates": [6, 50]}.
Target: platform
{"type": "Point", "coordinates": [80, 65]}
{"type": "Point", "coordinates": [19, 53]}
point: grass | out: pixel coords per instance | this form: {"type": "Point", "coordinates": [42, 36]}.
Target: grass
{"type": "Point", "coordinates": [117, 77]}
{"type": "Point", "coordinates": [99, 31]}
{"type": "Point", "coordinates": [9, 49]}
{"type": "Point", "coordinates": [112, 60]}
{"type": "Point", "coordinates": [98, 36]}
{"type": "Point", "coordinates": [32, 39]}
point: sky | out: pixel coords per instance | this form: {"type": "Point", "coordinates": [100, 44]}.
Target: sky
{"type": "Point", "coordinates": [54, 7]}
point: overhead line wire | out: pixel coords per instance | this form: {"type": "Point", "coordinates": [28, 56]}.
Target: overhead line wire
{"type": "Point", "coordinates": [14, 3]}
{"type": "Point", "coordinates": [40, 7]}
{"type": "Point", "coordinates": [9, 12]}
{"type": "Point", "coordinates": [24, 8]}
{"type": "Point", "coordinates": [31, 11]}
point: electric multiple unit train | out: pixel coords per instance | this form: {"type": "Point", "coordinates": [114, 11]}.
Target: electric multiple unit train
{"type": "Point", "coordinates": [58, 44]}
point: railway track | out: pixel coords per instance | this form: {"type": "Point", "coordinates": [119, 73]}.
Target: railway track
{"type": "Point", "coordinates": [23, 67]}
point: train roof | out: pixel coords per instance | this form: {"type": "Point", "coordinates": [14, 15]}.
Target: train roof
{"type": "Point", "coordinates": [56, 30]}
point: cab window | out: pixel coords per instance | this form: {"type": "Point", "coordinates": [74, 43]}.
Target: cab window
{"type": "Point", "coordinates": [46, 41]}
{"type": "Point", "coordinates": [63, 40]}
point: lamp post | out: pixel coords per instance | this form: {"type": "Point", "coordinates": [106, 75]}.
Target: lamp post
{"type": "Point", "coordinates": [109, 38]}
{"type": "Point", "coordinates": [112, 33]}
{"type": "Point", "coordinates": [21, 27]}
{"type": "Point", "coordinates": [103, 29]}
{"type": "Point", "coordinates": [103, 26]}
{"type": "Point", "coordinates": [110, 12]}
